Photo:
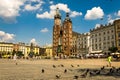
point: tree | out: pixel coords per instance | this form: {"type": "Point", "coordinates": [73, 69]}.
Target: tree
{"type": "Point", "coordinates": [20, 54]}
{"type": "Point", "coordinates": [113, 49]}
{"type": "Point", "coordinates": [31, 54]}
{"type": "Point", "coordinates": [13, 53]}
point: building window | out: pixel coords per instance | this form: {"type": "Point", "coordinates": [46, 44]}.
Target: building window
{"type": "Point", "coordinates": [99, 39]}
{"type": "Point", "coordinates": [100, 46]}
{"type": "Point", "coordinates": [104, 33]}
{"type": "Point", "coordinates": [112, 36]}
{"type": "Point", "coordinates": [95, 40]}
{"type": "Point", "coordinates": [92, 40]}
{"type": "Point", "coordinates": [112, 31]}
{"type": "Point", "coordinates": [96, 46]}
{"type": "Point", "coordinates": [108, 37]}
{"type": "Point", "coordinates": [104, 38]}
{"type": "Point", "coordinates": [92, 36]}
{"type": "Point", "coordinates": [118, 27]}
{"type": "Point", "coordinates": [99, 34]}
{"type": "Point", "coordinates": [118, 34]}
{"type": "Point", "coordinates": [112, 43]}
{"type": "Point", "coordinates": [119, 42]}
{"type": "Point", "coordinates": [95, 35]}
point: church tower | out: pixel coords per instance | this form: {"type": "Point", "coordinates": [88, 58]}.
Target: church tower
{"type": "Point", "coordinates": [67, 35]}
{"type": "Point", "coordinates": [56, 31]}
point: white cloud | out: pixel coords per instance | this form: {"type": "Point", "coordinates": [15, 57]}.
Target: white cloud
{"type": "Point", "coordinates": [31, 7]}
{"type": "Point", "coordinates": [62, 7]}
{"type": "Point", "coordinates": [94, 13]}
{"type": "Point", "coordinates": [97, 26]}
{"type": "Point", "coordinates": [33, 40]}
{"type": "Point", "coordinates": [9, 9]}
{"type": "Point", "coordinates": [46, 15]}
{"type": "Point", "coordinates": [51, 2]}
{"type": "Point", "coordinates": [44, 30]}
{"type": "Point", "coordinates": [74, 14]}
{"type": "Point", "coordinates": [47, 45]}
{"type": "Point", "coordinates": [109, 17]}
{"type": "Point", "coordinates": [110, 20]}
{"type": "Point", "coordinates": [118, 13]}
{"type": "Point", "coordinates": [6, 36]}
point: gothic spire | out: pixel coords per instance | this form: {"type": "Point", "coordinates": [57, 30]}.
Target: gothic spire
{"type": "Point", "coordinates": [57, 14]}
{"type": "Point", "coordinates": [67, 17]}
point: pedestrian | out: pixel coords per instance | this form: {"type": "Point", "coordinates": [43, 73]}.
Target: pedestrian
{"type": "Point", "coordinates": [109, 60]}
{"type": "Point", "coordinates": [15, 58]}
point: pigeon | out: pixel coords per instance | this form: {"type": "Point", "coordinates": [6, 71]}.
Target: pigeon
{"type": "Point", "coordinates": [103, 68]}
{"type": "Point", "coordinates": [72, 65]}
{"type": "Point", "coordinates": [62, 65]}
{"type": "Point", "coordinates": [93, 73]}
{"type": "Point", "coordinates": [54, 66]}
{"type": "Point", "coordinates": [43, 70]}
{"type": "Point", "coordinates": [78, 65]}
{"type": "Point", "coordinates": [58, 76]}
{"type": "Point", "coordinates": [118, 70]}
{"type": "Point", "coordinates": [85, 74]}
{"type": "Point", "coordinates": [65, 71]}
{"type": "Point", "coordinates": [97, 72]}
{"type": "Point", "coordinates": [76, 77]}
{"type": "Point", "coordinates": [16, 63]}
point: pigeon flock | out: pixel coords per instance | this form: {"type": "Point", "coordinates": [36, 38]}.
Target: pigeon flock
{"type": "Point", "coordinates": [83, 73]}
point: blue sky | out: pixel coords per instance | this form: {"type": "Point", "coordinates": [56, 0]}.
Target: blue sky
{"type": "Point", "coordinates": [32, 20]}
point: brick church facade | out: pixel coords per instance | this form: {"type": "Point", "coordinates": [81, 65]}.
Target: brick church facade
{"type": "Point", "coordinates": [62, 35]}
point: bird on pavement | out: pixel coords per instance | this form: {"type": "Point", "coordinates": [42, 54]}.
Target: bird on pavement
{"type": "Point", "coordinates": [65, 71]}
{"type": "Point", "coordinates": [54, 66]}
{"type": "Point", "coordinates": [84, 74]}
{"type": "Point", "coordinates": [43, 70]}
{"type": "Point", "coordinates": [58, 76]}
{"type": "Point", "coordinates": [76, 77]}
{"type": "Point", "coordinates": [72, 65]}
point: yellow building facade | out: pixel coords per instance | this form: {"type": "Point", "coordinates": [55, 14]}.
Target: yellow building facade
{"type": "Point", "coordinates": [6, 47]}
{"type": "Point", "coordinates": [9, 48]}
{"type": "Point", "coordinates": [49, 51]}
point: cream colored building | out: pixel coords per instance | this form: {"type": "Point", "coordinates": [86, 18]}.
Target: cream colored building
{"type": "Point", "coordinates": [48, 51]}
{"type": "Point", "coordinates": [6, 47]}
{"type": "Point", "coordinates": [36, 50]}
{"type": "Point", "coordinates": [83, 43]}
{"type": "Point", "coordinates": [102, 38]}
{"type": "Point", "coordinates": [117, 33]}
{"type": "Point", "coordinates": [22, 48]}
{"type": "Point", "coordinates": [74, 43]}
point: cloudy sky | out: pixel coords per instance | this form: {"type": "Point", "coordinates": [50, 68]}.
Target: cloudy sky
{"type": "Point", "coordinates": [32, 20]}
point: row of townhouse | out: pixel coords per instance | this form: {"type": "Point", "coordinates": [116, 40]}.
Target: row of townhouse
{"type": "Point", "coordinates": [99, 39]}
{"type": "Point", "coordinates": [8, 48]}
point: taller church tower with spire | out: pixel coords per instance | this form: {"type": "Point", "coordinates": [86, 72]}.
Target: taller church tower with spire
{"type": "Point", "coordinates": [62, 35]}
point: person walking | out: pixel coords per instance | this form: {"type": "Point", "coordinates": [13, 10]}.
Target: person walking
{"type": "Point", "coordinates": [15, 58]}
{"type": "Point", "coordinates": [109, 60]}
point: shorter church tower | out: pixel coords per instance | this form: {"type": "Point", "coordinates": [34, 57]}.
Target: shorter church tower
{"type": "Point", "coordinates": [67, 35]}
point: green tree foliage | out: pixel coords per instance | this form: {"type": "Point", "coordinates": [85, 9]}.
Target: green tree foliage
{"type": "Point", "coordinates": [31, 54]}
{"type": "Point", "coordinates": [20, 54]}
{"type": "Point", "coordinates": [113, 49]}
